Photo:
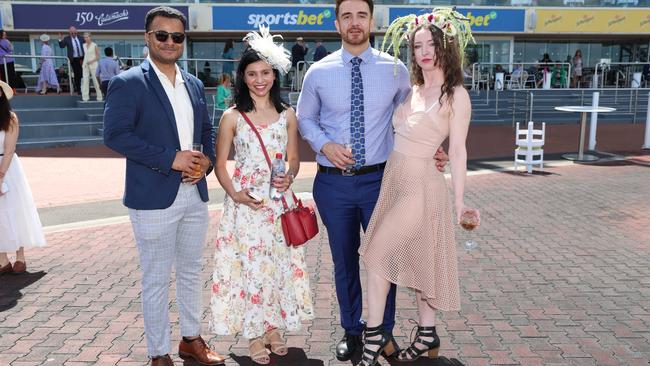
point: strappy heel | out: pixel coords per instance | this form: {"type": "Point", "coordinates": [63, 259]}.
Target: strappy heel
{"type": "Point", "coordinates": [370, 357]}
{"type": "Point", "coordinates": [392, 349]}
{"type": "Point", "coordinates": [274, 339]}
{"type": "Point", "coordinates": [414, 352]}
{"type": "Point", "coordinates": [259, 353]}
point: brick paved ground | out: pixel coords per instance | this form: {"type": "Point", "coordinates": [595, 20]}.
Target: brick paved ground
{"type": "Point", "coordinates": [561, 277]}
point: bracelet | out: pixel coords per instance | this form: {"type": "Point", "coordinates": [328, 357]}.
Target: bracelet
{"type": "Point", "coordinates": [293, 177]}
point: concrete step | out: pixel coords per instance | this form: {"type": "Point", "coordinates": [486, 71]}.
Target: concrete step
{"type": "Point", "coordinates": [57, 114]}
{"type": "Point", "coordinates": [44, 101]}
{"type": "Point", "coordinates": [54, 129]}
{"type": "Point", "coordinates": [60, 142]}
{"type": "Point", "coordinates": [95, 117]}
{"type": "Point", "coordinates": [90, 104]}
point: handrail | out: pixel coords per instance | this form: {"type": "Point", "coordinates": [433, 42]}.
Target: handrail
{"type": "Point", "coordinates": [4, 59]}
{"type": "Point", "coordinates": [476, 70]}
{"type": "Point", "coordinates": [605, 66]}
{"type": "Point", "coordinates": [301, 70]}
{"type": "Point", "coordinates": [183, 62]}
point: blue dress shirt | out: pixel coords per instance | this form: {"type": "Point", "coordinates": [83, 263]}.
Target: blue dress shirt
{"type": "Point", "coordinates": [324, 103]}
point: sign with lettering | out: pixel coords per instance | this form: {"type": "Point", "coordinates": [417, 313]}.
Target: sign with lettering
{"type": "Point", "coordinates": [279, 18]}
{"type": "Point", "coordinates": [480, 19]}
{"type": "Point", "coordinates": [630, 21]}
{"type": "Point", "coordinates": [84, 17]}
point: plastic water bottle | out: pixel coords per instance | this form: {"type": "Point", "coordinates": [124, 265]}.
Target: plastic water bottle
{"type": "Point", "coordinates": [277, 167]}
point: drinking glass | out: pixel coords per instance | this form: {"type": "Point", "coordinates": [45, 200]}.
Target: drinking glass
{"type": "Point", "coordinates": [343, 138]}
{"type": "Point", "coordinates": [195, 146]}
{"type": "Point", "coordinates": [469, 220]}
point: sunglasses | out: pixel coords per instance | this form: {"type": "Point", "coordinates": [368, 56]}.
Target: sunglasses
{"type": "Point", "coordinates": [162, 36]}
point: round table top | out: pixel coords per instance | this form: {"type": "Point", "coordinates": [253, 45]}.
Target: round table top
{"type": "Point", "coordinates": [586, 108]}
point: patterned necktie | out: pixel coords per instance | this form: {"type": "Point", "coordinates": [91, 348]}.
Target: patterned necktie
{"type": "Point", "coordinates": [357, 120]}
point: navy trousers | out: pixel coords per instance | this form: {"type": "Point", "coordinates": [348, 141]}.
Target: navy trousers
{"type": "Point", "coordinates": [345, 205]}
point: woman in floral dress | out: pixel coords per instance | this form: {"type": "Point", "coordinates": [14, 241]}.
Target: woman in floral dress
{"type": "Point", "coordinates": [260, 284]}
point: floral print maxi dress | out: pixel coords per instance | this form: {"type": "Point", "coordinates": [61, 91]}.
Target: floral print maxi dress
{"type": "Point", "coordinates": [259, 283]}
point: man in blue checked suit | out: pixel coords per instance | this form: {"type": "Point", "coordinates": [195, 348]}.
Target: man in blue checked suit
{"type": "Point", "coordinates": [344, 112]}
{"type": "Point", "coordinates": [154, 114]}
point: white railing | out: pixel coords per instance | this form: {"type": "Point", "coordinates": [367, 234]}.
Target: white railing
{"type": "Point", "coordinates": [185, 63]}
{"type": "Point", "coordinates": [483, 73]}
{"type": "Point", "coordinates": [626, 74]}
{"type": "Point", "coordinates": [33, 69]}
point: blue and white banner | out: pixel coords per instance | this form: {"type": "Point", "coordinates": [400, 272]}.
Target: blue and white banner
{"type": "Point", "coordinates": [95, 17]}
{"type": "Point", "coordinates": [279, 18]}
{"type": "Point", "coordinates": [481, 19]}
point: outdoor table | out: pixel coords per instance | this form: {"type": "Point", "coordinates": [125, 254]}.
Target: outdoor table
{"type": "Point", "coordinates": [580, 156]}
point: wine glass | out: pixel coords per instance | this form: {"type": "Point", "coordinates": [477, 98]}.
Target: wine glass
{"type": "Point", "coordinates": [343, 138]}
{"type": "Point", "coordinates": [469, 220]}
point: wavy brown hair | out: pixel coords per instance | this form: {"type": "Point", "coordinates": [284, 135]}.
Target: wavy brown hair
{"type": "Point", "coordinates": [447, 57]}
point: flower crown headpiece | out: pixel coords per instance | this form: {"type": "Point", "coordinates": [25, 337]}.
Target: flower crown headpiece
{"type": "Point", "coordinates": [454, 26]}
{"type": "Point", "coordinates": [263, 43]}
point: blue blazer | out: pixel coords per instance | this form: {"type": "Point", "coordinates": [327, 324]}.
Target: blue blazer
{"type": "Point", "coordinates": [67, 43]}
{"type": "Point", "coordinates": [139, 123]}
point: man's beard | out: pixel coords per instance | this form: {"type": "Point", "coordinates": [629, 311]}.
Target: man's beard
{"type": "Point", "coordinates": [357, 39]}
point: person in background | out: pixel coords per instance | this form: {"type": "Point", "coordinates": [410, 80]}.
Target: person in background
{"type": "Point", "coordinates": [107, 68]}
{"type": "Point", "coordinates": [320, 52]}
{"type": "Point", "coordinates": [298, 52]}
{"type": "Point", "coordinates": [75, 52]}
{"type": "Point", "coordinates": [20, 226]}
{"type": "Point", "coordinates": [91, 57]}
{"type": "Point", "coordinates": [577, 69]}
{"type": "Point", "coordinates": [47, 77]}
{"type": "Point", "coordinates": [228, 54]}
{"type": "Point", "coordinates": [223, 92]}
{"type": "Point", "coordinates": [6, 50]}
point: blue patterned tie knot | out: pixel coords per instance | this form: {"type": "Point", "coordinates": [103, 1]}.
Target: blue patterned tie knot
{"type": "Point", "coordinates": [357, 118]}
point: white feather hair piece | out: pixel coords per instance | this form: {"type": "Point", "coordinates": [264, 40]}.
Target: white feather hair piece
{"type": "Point", "coordinates": [272, 52]}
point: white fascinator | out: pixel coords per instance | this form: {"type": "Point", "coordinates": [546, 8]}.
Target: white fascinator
{"type": "Point", "coordinates": [264, 44]}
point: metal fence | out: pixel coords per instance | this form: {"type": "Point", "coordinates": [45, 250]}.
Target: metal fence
{"type": "Point", "coordinates": [29, 74]}
{"type": "Point", "coordinates": [520, 75]}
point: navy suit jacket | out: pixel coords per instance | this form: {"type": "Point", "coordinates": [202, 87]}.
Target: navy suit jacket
{"type": "Point", "coordinates": [139, 123]}
{"type": "Point", "coordinates": [67, 43]}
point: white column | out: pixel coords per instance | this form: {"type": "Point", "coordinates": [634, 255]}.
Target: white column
{"type": "Point", "coordinates": [594, 122]}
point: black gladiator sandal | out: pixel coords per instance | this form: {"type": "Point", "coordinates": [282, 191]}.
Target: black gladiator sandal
{"type": "Point", "coordinates": [414, 352]}
{"type": "Point", "coordinates": [370, 357]}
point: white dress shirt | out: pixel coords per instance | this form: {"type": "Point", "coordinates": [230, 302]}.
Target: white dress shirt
{"type": "Point", "coordinates": [181, 104]}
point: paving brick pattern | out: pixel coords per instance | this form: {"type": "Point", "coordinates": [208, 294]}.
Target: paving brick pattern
{"type": "Point", "coordinates": [560, 277]}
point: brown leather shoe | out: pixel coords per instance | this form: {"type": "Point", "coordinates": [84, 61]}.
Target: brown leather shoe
{"type": "Point", "coordinates": [20, 267]}
{"type": "Point", "coordinates": [162, 361]}
{"type": "Point", "coordinates": [199, 351]}
{"type": "Point", "coordinates": [6, 268]}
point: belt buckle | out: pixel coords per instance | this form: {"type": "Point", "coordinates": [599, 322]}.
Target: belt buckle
{"type": "Point", "coordinates": [348, 172]}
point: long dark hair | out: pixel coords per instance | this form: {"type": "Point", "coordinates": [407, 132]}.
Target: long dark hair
{"type": "Point", "coordinates": [242, 96]}
{"type": "Point", "coordinates": [447, 57]}
{"type": "Point", "coordinates": [5, 113]}
{"type": "Point", "coordinates": [228, 46]}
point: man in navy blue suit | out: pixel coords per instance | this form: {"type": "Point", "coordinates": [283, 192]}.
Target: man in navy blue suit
{"type": "Point", "coordinates": [75, 47]}
{"type": "Point", "coordinates": [155, 115]}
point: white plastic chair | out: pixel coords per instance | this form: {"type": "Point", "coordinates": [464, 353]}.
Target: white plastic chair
{"type": "Point", "coordinates": [530, 143]}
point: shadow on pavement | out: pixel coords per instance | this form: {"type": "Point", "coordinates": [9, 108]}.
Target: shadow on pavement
{"type": "Point", "coordinates": [425, 361]}
{"type": "Point", "coordinates": [11, 284]}
{"type": "Point", "coordinates": [295, 357]}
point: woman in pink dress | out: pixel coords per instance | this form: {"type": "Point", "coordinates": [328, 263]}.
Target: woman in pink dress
{"type": "Point", "coordinates": [410, 239]}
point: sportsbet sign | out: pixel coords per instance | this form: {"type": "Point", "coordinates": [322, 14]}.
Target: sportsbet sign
{"type": "Point", "coordinates": [280, 18]}
{"type": "Point", "coordinates": [480, 19]}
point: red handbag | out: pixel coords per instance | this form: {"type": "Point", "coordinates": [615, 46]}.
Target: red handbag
{"type": "Point", "coordinates": [299, 224]}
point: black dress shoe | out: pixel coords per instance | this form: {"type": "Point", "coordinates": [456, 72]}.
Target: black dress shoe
{"type": "Point", "coordinates": [346, 346]}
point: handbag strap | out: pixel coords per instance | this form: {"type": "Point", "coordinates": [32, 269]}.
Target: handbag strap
{"type": "Point", "coordinates": [268, 159]}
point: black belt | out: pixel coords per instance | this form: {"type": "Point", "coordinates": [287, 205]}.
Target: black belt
{"type": "Point", "coordinates": [363, 170]}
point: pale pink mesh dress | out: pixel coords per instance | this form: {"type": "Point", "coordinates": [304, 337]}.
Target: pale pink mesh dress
{"type": "Point", "coordinates": [410, 240]}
